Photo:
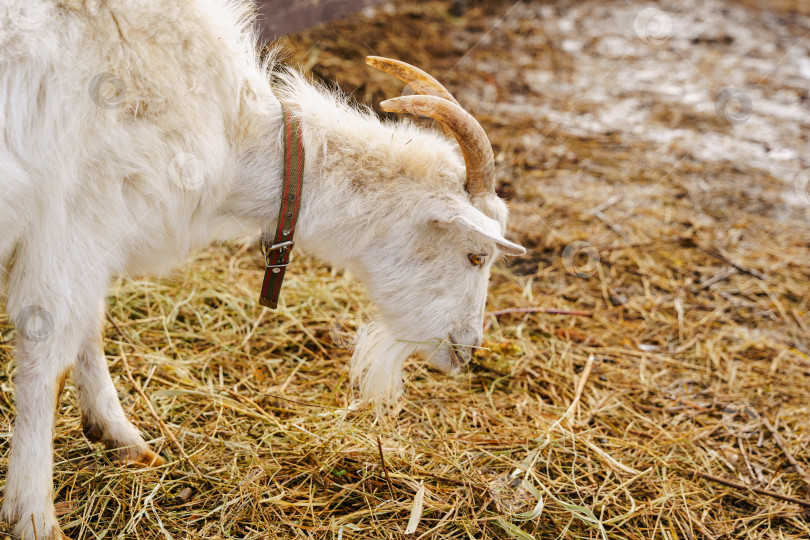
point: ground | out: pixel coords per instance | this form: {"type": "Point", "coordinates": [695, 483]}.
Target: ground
{"type": "Point", "coordinates": [652, 378]}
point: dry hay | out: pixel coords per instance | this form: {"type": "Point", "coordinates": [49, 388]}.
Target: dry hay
{"type": "Point", "coordinates": [681, 360]}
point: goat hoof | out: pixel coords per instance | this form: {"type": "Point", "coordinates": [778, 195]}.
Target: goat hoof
{"type": "Point", "coordinates": [144, 457]}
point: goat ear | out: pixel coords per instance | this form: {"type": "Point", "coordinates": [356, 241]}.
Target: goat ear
{"type": "Point", "coordinates": [472, 220]}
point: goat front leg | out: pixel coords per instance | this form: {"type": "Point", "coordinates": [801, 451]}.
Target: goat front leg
{"type": "Point", "coordinates": [54, 294]}
{"type": "Point", "coordinates": [103, 418]}
{"type": "Point", "coordinates": [28, 500]}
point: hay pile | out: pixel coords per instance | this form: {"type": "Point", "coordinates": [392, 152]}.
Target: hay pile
{"type": "Point", "coordinates": [653, 383]}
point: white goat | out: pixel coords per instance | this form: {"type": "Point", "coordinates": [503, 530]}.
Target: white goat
{"type": "Point", "coordinates": [133, 132]}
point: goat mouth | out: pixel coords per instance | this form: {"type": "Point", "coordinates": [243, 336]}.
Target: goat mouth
{"type": "Point", "coordinates": [455, 359]}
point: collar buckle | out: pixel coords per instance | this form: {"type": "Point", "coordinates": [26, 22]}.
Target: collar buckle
{"type": "Point", "coordinates": [283, 247]}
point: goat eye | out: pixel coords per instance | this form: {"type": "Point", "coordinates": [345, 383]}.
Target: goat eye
{"type": "Point", "coordinates": [476, 259]}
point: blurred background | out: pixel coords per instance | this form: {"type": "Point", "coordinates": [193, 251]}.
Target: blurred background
{"type": "Point", "coordinates": [656, 158]}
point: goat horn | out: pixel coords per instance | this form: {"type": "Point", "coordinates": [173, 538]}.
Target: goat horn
{"type": "Point", "coordinates": [421, 82]}
{"type": "Point", "coordinates": [472, 138]}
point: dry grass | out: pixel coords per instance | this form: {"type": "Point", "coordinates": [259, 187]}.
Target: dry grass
{"type": "Point", "coordinates": [698, 309]}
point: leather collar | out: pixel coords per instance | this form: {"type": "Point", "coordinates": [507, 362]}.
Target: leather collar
{"type": "Point", "coordinates": [277, 249]}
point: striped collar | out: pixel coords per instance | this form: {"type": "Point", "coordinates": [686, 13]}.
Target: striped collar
{"type": "Point", "coordinates": [276, 249]}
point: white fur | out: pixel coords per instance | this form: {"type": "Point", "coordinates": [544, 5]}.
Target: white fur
{"type": "Point", "coordinates": [183, 147]}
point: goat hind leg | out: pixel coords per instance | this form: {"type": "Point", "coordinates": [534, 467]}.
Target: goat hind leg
{"type": "Point", "coordinates": [103, 418]}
